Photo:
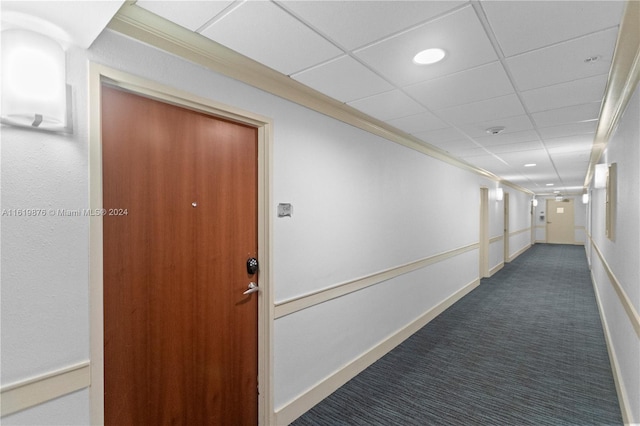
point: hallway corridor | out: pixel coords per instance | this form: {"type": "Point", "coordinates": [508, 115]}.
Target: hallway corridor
{"type": "Point", "coordinates": [525, 347]}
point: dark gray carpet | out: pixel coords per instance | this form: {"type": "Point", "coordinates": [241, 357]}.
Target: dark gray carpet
{"type": "Point", "coordinates": [524, 348]}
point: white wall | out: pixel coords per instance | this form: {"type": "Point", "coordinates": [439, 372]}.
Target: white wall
{"type": "Point", "coordinates": [361, 205]}
{"type": "Point", "coordinates": [621, 254]}
{"type": "Point", "coordinates": [519, 222]}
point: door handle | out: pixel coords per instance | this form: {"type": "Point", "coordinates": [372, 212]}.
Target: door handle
{"type": "Point", "coordinates": [252, 288]}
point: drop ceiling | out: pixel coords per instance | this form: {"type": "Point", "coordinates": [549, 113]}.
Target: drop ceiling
{"type": "Point", "coordinates": [524, 66]}
{"type": "Point", "coordinates": [538, 69]}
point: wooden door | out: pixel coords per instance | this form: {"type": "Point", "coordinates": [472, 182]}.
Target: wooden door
{"type": "Point", "coordinates": [560, 222]}
{"type": "Point", "coordinates": [180, 195]}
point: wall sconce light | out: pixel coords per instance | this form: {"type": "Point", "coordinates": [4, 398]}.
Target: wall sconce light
{"type": "Point", "coordinates": [585, 198]}
{"type": "Point", "coordinates": [499, 194]}
{"type": "Point", "coordinates": [534, 202]}
{"type": "Point", "coordinates": [34, 91]}
{"type": "Point", "coordinates": [600, 176]}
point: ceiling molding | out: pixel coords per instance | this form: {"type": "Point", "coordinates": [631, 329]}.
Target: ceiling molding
{"type": "Point", "coordinates": [149, 28]}
{"type": "Point", "coordinates": [623, 80]}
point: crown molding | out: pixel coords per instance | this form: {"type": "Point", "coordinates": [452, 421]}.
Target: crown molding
{"type": "Point", "coordinates": [621, 84]}
{"type": "Point", "coordinates": [158, 32]}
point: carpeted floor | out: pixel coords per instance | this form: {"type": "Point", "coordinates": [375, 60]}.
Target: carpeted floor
{"type": "Point", "coordinates": [524, 348]}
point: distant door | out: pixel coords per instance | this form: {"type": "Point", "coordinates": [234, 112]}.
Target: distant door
{"type": "Point", "coordinates": [180, 337]}
{"type": "Point", "coordinates": [506, 227]}
{"type": "Point", "coordinates": [560, 222]}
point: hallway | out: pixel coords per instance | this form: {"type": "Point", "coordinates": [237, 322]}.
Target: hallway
{"type": "Point", "coordinates": [526, 347]}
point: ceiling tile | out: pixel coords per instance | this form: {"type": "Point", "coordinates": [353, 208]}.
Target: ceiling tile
{"type": "Point", "coordinates": [461, 148]}
{"type": "Point", "coordinates": [389, 105]}
{"type": "Point", "coordinates": [462, 87]}
{"type": "Point", "coordinates": [488, 162]}
{"type": "Point", "coordinates": [344, 79]}
{"type": "Point", "coordinates": [576, 92]}
{"type": "Point", "coordinates": [268, 34]}
{"type": "Point", "coordinates": [568, 129]}
{"type": "Point", "coordinates": [573, 157]}
{"type": "Point", "coordinates": [418, 123]}
{"type": "Point", "coordinates": [517, 159]}
{"type": "Point", "coordinates": [514, 22]}
{"type": "Point", "coordinates": [508, 138]}
{"type": "Point", "coordinates": [441, 136]}
{"type": "Point", "coordinates": [353, 24]}
{"type": "Point", "coordinates": [187, 13]}
{"type": "Point", "coordinates": [564, 62]}
{"type": "Point", "coordinates": [460, 34]}
{"type": "Point", "coordinates": [516, 147]}
{"type": "Point", "coordinates": [565, 115]}
{"type": "Point", "coordinates": [516, 124]}
{"type": "Point", "coordinates": [568, 143]}
{"type": "Point", "coordinates": [483, 111]}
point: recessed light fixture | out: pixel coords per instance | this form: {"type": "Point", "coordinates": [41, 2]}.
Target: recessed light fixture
{"type": "Point", "coordinates": [495, 130]}
{"type": "Point", "coordinates": [556, 192]}
{"type": "Point", "coordinates": [530, 165]}
{"type": "Point", "coordinates": [429, 56]}
{"type": "Point", "coordinates": [549, 184]}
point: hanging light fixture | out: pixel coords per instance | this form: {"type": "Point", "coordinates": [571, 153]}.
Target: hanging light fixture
{"type": "Point", "coordinates": [33, 81]}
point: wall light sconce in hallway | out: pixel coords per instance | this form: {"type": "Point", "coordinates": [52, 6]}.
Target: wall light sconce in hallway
{"type": "Point", "coordinates": [600, 176]}
{"type": "Point", "coordinates": [499, 194]}
{"type": "Point", "coordinates": [34, 90]}
{"type": "Point", "coordinates": [585, 198]}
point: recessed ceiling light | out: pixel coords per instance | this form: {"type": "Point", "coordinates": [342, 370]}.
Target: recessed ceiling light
{"type": "Point", "coordinates": [530, 165]}
{"type": "Point", "coordinates": [429, 56]}
{"type": "Point", "coordinates": [549, 184]}
{"type": "Point", "coordinates": [556, 192]}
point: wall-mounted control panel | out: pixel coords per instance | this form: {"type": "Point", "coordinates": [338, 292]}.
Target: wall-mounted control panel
{"type": "Point", "coordinates": [285, 209]}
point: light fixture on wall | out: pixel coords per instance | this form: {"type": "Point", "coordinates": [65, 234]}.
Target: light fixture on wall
{"type": "Point", "coordinates": [534, 202]}
{"type": "Point", "coordinates": [499, 194]}
{"type": "Point", "coordinates": [600, 176]}
{"type": "Point", "coordinates": [585, 198]}
{"type": "Point", "coordinates": [34, 91]}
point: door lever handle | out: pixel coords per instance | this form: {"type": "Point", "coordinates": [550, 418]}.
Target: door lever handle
{"type": "Point", "coordinates": [252, 288]}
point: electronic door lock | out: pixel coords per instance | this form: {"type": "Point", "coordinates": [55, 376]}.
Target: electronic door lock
{"type": "Point", "coordinates": [252, 266]}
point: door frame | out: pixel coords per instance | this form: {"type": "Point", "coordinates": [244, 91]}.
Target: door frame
{"type": "Point", "coordinates": [507, 257]}
{"type": "Point", "coordinates": [99, 74]}
{"type": "Point", "coordinates": [484, 233]}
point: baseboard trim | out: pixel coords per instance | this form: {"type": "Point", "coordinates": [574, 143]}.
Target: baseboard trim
{"type": "Point", "coordinates": [302, 302]}
{"type": "Point", "coordinates": [625, 408]}
{"type": "Point", "coordinates": [496, 268]}
{"type": "Point", "coordinates": [29, 393]}
{"type": "Point", "coordinates": [317, 393]}
{"type": "Point", "coordinates": [519, 252]}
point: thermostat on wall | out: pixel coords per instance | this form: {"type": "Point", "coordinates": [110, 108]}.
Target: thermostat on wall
{"type": "Point", "coordinates": [285, 209]}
